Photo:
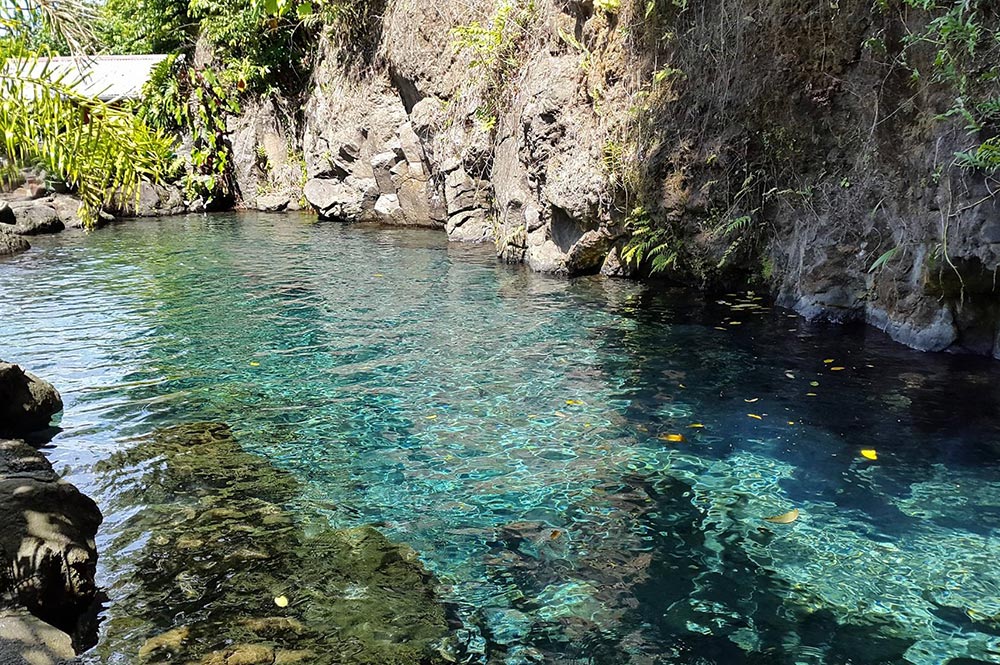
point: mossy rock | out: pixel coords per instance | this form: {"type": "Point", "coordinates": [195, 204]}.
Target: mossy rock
{"type": "Point", "coordinates": [221, 554]}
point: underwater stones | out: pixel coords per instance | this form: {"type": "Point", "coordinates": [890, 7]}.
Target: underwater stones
{"type": "Point", "coordinates": [271, 626]}
{"type": "Point", "coordinates": [27, 403]}
{"type": "Point", "coordinates": [163, 644]}
{"type": "Point", "coordinates": [241, 654]}
{"type": "Point", "coordinates": [47, 543]}
{"type": "Point", "coordinates": [220, 548]}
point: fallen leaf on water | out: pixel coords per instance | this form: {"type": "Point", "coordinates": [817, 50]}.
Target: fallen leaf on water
{"type": "Point", "coordinates": [255, 364]}
{"type": "Point", "coordinates": [829, 361]}
{"type": "Point", "coordinates": [810, 394]}
{"type": "Point", "coordinates": [281, 601]}
{"type": "Point", "coordinates": [837, 369]}
{"type": "Point", "coordinates": [720, 328]}
{"type": "Point", "coordinates": [786, 518]}
{"type": "Point", "coordinates": [430, 417]}
{"type": "Point", "coordinates": [696, 426]}
{"type": "Point", "coordinates": [574, 402]}
{"type": "Point", "coordinates": [791, 422]}
{"type": "Point", "coordinates": [869, 453]}
{"type": "Point", "coordinates": [736, 323]}
{"type": "Point", "coordinates": [555, 534]}
{"type": "Point", "coordinates": [814, 384]}
{"type": "Point", "coordinates": [789, 375]}
{"type": "Point", "coordinates": [755, 416]}
{"type": "Point", "coordinates": [751, 401]}
{"type": "Point", "coordinates": [672, 438]}
{"type": "Point", "coordinates": [642, 428]}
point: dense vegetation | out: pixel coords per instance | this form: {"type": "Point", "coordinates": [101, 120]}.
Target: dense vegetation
{"type": "Point", "coordinates": [945, 53]}
{"type": "Point", "coordinates": [46, 124]}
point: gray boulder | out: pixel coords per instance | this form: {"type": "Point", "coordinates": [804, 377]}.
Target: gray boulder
{"type": "Point", "coordinates": [350, 200]}
{"type": "Point", "coordinates": [48, 557]}
{"type": "Point", "coordinates": [27, 403]}
{"type": "Point", "coordinates": [11, 244]}
{"type": "Point", "coordinates": [272, 202]}
{"type": "Point", "coordinates": [26, 640]}
{"type": "Point", "coordinates": [36, 218]}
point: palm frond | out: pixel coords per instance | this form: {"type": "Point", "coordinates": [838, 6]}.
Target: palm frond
{"type": "Point", "coordinates": [44, 122]}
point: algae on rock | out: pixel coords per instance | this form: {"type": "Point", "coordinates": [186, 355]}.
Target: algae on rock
{"type": "Point", "coordinates": [216, 546]}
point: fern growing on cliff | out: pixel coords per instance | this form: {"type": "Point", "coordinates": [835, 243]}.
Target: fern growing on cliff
{"type": "Point", "coordinates": [496, 53]}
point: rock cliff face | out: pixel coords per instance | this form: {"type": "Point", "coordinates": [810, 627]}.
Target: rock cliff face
{"type": "Point", "coordinates": [775, 147]}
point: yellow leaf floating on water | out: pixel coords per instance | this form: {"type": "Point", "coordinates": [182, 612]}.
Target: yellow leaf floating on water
{"type": "Point", "coordinates": [786, 518]}
{"type": "Point", "coordinates": [837, 369]}
{"type": "Point", "coordinates": [810, 394]}
{"type": "Point", "coordinates": [829, 361]}
{"type": "Point", "coordinates": [755, 416]}
{"type": "Point", "coordinates": [814, 384]}
{"type": "Point", "coordinates": [255, 364]}
{"type": "Point", "coordinates": [869, 453]}
{"type": "Point", "coordinates": [672, 438]}
{"type": "Point", "coordinates": [430, 417]}
{"type": "Point", "coordinates": [281, 601]}
{"type": "Point", "coordinates": [696, 426]}
{"type": "Point", "coordinates": [378, 274]}
{"type": "Point", "coordinates": [574, 402]}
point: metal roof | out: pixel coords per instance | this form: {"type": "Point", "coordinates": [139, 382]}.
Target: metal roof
{"type": "Point", "coordinates": [107, 77]}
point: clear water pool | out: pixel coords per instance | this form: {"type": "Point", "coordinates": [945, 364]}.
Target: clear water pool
{"type": "Point", "coordinates": [586, 464]}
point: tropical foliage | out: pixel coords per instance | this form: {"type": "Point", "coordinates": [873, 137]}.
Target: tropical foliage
{"type": "Point", "coordinates": [45, 123]}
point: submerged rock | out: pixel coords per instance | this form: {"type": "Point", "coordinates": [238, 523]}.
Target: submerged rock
{"type": "Point", "coordinates": [245, 581]}
{"type": "Point", "coordinates": [47, 547]}
{"type": "Point", "coordinates": [27, 403]}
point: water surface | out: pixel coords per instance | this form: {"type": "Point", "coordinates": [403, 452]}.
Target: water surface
{"type": "Point", "coordinates": [586, 464]}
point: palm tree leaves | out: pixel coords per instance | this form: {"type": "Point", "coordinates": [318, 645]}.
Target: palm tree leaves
{"type": "Point", "coordinates": [45, 122]}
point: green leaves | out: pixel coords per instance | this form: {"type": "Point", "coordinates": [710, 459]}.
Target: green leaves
{"type": "Point", "coordinates": [105, 152]}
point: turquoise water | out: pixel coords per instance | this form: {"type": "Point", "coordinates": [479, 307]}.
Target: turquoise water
{"type": "Point", "coordinates": [521, 433]}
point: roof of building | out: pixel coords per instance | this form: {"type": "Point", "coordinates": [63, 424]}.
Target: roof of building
{"type": "Point", "coordinates": [107, 77]}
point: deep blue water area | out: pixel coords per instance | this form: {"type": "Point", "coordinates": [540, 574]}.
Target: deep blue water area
{"type": "Point", "coordinates": [586, 465]}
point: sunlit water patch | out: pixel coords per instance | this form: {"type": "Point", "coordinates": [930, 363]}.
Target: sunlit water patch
{"type": "Point", "coordinates": [586, 465]}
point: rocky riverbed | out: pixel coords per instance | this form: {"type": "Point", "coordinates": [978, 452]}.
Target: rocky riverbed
{"type": "Point", "coordinates": [222, 573]}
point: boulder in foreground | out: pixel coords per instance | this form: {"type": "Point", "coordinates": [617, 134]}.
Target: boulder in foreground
{"type": "Point", "coordinates": [27, 403]}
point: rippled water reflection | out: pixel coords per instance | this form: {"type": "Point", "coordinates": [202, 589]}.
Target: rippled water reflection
{"type": "Point", "coordinates": [520, 432]}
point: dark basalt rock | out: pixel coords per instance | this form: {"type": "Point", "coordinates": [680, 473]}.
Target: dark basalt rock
{"type": "Point", "coordinates": [27, 403]}
{"type": "Point", "coordinates": [11, 244]}
{"type": "Point", "coordinates": [48, 556]}
{"type": "Point", "coordinates": [36, 218]}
